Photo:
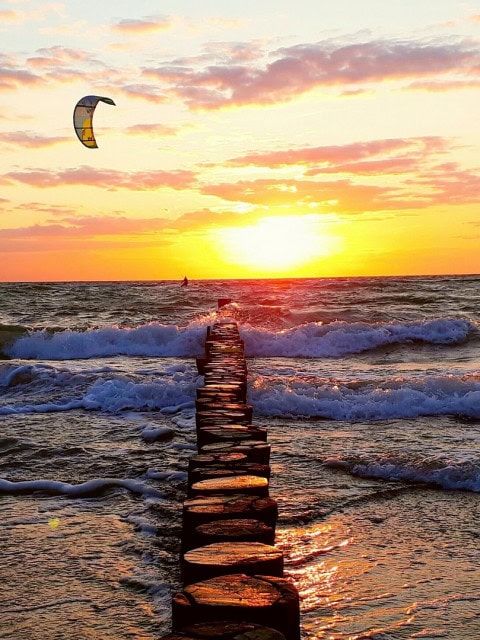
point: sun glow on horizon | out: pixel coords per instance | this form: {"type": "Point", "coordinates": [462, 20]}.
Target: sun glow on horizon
{"type": "Point", "coordinates": [234, 154]}
{"type": "Point", "coordinates": [276, 244]}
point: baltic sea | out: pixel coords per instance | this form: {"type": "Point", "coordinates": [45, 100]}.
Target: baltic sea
{"type": "Point", "coordinates": [370, 390]}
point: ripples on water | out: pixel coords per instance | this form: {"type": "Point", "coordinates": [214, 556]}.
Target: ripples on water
{"type": "Point", "coordinates": [387, 561]}
{"type": "Point", "coordinates": [101, 566]}
{"type": "Point", "coordinates": [264, 302]}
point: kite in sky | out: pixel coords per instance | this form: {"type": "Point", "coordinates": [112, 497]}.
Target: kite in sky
{"type": "Point", "coordinates": [82, 119]}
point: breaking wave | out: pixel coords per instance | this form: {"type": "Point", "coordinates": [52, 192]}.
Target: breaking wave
{"type": "Point", "coordinates": [310, 340]}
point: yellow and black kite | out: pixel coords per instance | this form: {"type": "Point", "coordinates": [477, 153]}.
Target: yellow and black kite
{"type": "Point", "coordinates": [82, 119]}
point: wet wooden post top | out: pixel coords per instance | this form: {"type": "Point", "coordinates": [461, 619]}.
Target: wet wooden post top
{"type": "Point", "coordinates": [232, 572]}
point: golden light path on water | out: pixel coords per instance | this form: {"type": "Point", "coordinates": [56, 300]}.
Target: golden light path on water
{"type": "Point", "coordinates": [388, 570]}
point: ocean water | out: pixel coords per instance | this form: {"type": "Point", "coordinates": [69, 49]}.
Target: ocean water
{"type": "Point", "coordinates": [370, 389]}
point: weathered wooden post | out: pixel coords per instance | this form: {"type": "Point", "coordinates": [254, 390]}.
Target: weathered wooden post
{"type": "Point", "coordinates": [232, 573]}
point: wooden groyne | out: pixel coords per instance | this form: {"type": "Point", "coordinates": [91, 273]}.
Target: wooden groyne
{"type": "Point", "coordinates": [233, 582]}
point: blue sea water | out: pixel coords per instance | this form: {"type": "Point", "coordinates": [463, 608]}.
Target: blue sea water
{"type": "Point", "coordinates": [370, 390]}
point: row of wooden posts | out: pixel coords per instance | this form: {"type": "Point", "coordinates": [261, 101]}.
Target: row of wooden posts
{"type": "Point", "coordinates": [233, 582]}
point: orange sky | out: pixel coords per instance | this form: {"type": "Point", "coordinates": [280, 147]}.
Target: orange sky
{"type": "Point", "coordinates": [248, 140]}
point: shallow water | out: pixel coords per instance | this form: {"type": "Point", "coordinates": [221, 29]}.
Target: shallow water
{"type": "Point", "coordinates": [399, 565]}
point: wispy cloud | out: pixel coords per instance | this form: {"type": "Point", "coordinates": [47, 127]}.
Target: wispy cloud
{"type": "Point", "coordinates": [9, 16]}
{"type": "Point", "coordinates": [49, 209]}
{"type": "Point", "coordinates": [152, 129]}
{"type": "Point", "coordinates": [29, 139]}
{"type": "Point", "coordinates": [145, 92]}
{"type": "Point", "coordinates": [337, 155]}
{"type": "Point", "coordinates": [144, 25]}
{"type": "Point", "coordinates": [341, 196]}
{"type": "Point", "coordinates": [12, 79]}
{"type": "Point", "coordinates": [304, 67]}
{"type": "Point", "coordinates": [103, 178]}
{"type": "Point", "coordinates": [38, 14]}
{"type": "Point", "coordinates": [236, 74]}
{"type": "Point", "coordinates": [442, 184]}
{"type": "Point", "coordinates": [58, 56]}
{"type": "Point", "coordinates": [89, 232]}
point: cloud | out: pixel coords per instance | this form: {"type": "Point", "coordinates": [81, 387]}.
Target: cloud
{"type": "Point", "coordinates": [12, 79]}
{"type": "Point", "coordinates": [114, 225]}
{"type": "Point", "coordinates": [374, 158]}
{"type": "Point", "coordinates": [443, 184]}
{"type": "Point", "coordinates": [333, 156]}
{"type": "Point", "coordinates": [39, 14]}
{"type": "Point", "coordinates": [336, 196]}
{"type": "Point", "coordinates": [31, 140]}
{"type": "Point", "coordinates": [209, 218]}
{"type": "Point", "coordinates": [152, 129]}
{"type": "Point", "coordinates": [301, 68]}
{"type": "Point", "coordinates": [103, 178]}
{"type": "Point", "coordinates": [58, 56]}
{"type": "Point", "coordinates": [50, 209]}
{"type": "Point", "coordinates": [143, 25]}
{"type": "Point", "coordinates": [235, 74]}
{"type": "Point", "coordinates": [449, 184]}
{"type": "Point", "coordinates": [61, 64]}
{"type": "Point", "coordinates": [145, 92]}
{"type": "Point", "coordinates": [4, 205]}
{"type": "Point", "coordinates": [445, 85]}
{"type": "Point", "coordinates": [89, 232]}
{"type": "Point", "coordinates": [9, 16]}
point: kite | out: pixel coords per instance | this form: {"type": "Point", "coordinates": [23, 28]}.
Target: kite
{"type": "Point", "coordinates": [82, 119]}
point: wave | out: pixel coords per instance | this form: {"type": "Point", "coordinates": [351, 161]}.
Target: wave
{"type": "Point", "coordinates": [9, 333]}
{"type": "Point", "coordinates": [104, 389]}
{"type": "Point", "coordinates": [436, 472]}
{"type": "Point", "coordinates": [40, 388]}
{"type": "Point", "coordinates": [85, 489]}
{"type": "Point", "coordinates": [153, 339]}
{"type": "Point", "coordinates": [337, 339]}
{"type": "Point", "coordinates": [396, 398]}
{"type": "Point", "coordinates": [310, 340]}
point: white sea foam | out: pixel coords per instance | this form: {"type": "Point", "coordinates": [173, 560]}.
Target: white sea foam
{"type": "Point", "coordinates": [285, 395]}
{"type": "Point", "coordinates": [312, 339]}
{"type": "Point", "coordinates": [445, 474]}
{"type": "Point", "coordinates": [342, 338]}
{"type": "Point", "coordinates": [89, 488]}
{"type": "Point", "coordinates": [152, 434]}
{"type": "Point", "coordinates": [152, 339]}
{"type": "Point", "coordinates": [399, 398]}
{"type": "Point", "coordinates": [166, 394]}
{"type": "Point", "coordinates": [118, 395]}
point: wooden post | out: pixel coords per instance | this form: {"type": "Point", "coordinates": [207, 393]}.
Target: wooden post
{"type": "Point", "coordinates": [234, 587]}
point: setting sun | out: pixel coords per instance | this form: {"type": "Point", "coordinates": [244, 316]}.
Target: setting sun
{"type": "Point", "coordinates": [276, 244]}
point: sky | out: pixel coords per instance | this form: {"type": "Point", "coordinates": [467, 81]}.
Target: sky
{"type": "Point", "coordinates": [314, 138]}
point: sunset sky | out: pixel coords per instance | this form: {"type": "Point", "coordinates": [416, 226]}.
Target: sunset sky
{"type": "Point", "coordinates": [249, 139]}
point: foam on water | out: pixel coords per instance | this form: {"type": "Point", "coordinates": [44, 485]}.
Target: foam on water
{"type": "Point", "coordinates": [153, 339]}
{"type": "Point", "coordinates": [397, 398]}
{"type": "Point", "coordinates": [445, 473]}
{"type": "Point", "coordinates": [89, 488]}
{"type": "Point", "coordinates": [100, 389]}
{"type": "Point", "coordinates": [310, 340]}
{"type": "Point", "coordinates": [287, 395]}
{"type": "Point", "coordinates": [338, 339]}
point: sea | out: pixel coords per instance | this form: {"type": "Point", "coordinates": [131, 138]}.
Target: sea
{"type": "Point", "coordinates": [369, 389]}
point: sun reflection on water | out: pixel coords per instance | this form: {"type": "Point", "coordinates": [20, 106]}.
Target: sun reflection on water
{"type": "Point", "coordinates": [315, 575]}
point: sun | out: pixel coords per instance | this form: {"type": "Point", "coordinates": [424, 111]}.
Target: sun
{"type": "Point", "coordinates": [275, 243]}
